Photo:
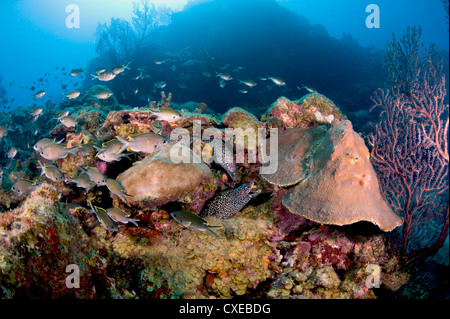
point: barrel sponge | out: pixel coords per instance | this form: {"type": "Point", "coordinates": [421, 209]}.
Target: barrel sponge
{"type": "Point", "coordinates": [161, 177]}
{"type": "Point", "coordinates": [341, 186]}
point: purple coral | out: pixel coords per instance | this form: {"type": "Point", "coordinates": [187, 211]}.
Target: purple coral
{"type": "Point", "coordinates": [410, 144]}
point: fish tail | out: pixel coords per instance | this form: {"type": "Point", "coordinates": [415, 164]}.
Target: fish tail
{"type": "Point", "coordinates": [94, 76]}
{"type": "Point", "coordinates": [134, 221]}
{"type": "Point", "coordinates": [211, 229]}
{"type": "Point", "coordinates": [74, 150]}
{"type": "Point", "coordinates": [83, 169]}
{"type": "Point", "coordinates": [41, 167]}
{"type": "Point", "coordinates": [127, 156]}
{"type": "Point", "coordinates": [92, 207]}
{"type": "Point", "coordinates": [124, 144]}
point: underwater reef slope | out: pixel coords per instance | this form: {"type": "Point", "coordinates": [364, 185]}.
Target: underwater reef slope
{"type": "Point", "coordinates": [59, 239]}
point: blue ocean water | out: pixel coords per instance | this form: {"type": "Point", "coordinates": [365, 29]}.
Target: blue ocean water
{"type": "Point", "coordinates": [324, 44]}
{"type": "Point", "coordinates": [224, 53]}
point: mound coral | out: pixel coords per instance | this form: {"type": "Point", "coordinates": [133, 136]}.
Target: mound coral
{"type": "Point", "coordinates": [159, 177]}
{"type": "Point", "coordinates": [246, 127]}
{"type": "Point", "coordinates": [312, 108]}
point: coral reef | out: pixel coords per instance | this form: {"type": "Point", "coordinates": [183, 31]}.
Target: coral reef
{"type": "Point", "coordinates": [277, 246]}
{"type": "Point", "coordinates": [38, 241]}
{"type": "Point", "coordinates": [312, 108]}
{"type": "Point", "coordinates": [193, 264]}
{"type": "Point", "coordinates": [326, 263]}
{"type": "Point", "coordinates": [246, 127]}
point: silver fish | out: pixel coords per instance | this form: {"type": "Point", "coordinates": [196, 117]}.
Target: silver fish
{"type": "Point", "coordinates": [191, 220]}
{"type": "Point", "coordinates": [224, 76]}
{"type": "Point", "coordinates": [116, 188]}
{"type": "Point", "coordinates": [3, 131]}
{"type": "Point", "coordinates": [23, 187]}
{"type": "Point", "coordinates": [112, 146]}
{"type": "Point", "coordinates": [73, 94]}
{"type": "Point", "coordinates": [146, 143]}
{"type": "Point", "coordinates": [166, 114]}
{"type": "Point", "coordinates": [120, 216]}
{"type": "Point", "coordinates": [68, 121]}
{"type": "Point", "coordinates": [41, 144]}
{"type": "Point", "coordinates": [104, 218]}
{"type": "Point", "coordinates": [12, 152]}
{"type": "Point", "coordinates": [228, 202]}
{"type": "Point", "coordinates": [76, 72]}
{"type": "Point", "coordinates": [104, 76]}
{"type": "Point", "coordinates": [249, 83]}
{"type": "Point", "coordinates": [95, 175]}
{"type": "Point", "coordinates": [55, 152]}
{"type": "Point", "coordinates": [160, 85]}
{"type": "Point", "coordinates": [277, 81]}
{"type": "Point", "coordinates": [83, 181]}
{"type": "Point", "coordinates": [111, 157]}
{"type": "Point", "coordinates": [120, 68]}
{"type": "Point", "coordinates": [52, 172]}
{"type": "Point", "coordinates": [103, 94]}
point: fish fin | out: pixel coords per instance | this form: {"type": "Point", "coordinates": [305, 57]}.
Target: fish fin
{"type": "Point", "coordinates": [133, 221]}
{"type": "Point", "coordinates": [127, 156]}
{"type": "Point", "coordinates": [92, 207]}
{"type": "Point", "coordinates": [41, 167]}
{"type": "Point", "coordinates": [74, 150]}
{"type": "Point", "coordinates": [211, 229]}
{"type": "Point", "coordinates": [93, 76]}
{"type": "Point", "coordinates": [83, 169]}
{"type": "Point", "coordinates": [124, 144]}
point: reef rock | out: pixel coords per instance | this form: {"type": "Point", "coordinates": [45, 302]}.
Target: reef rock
{"type": "Point", "coordinates": [39, 240]}
{"type": "Point", "coordinates": [246, 127]}
{"type": "Point", "coordinates": [312, 108]}
{"type": "Point", "coordinates": [161, 176]}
